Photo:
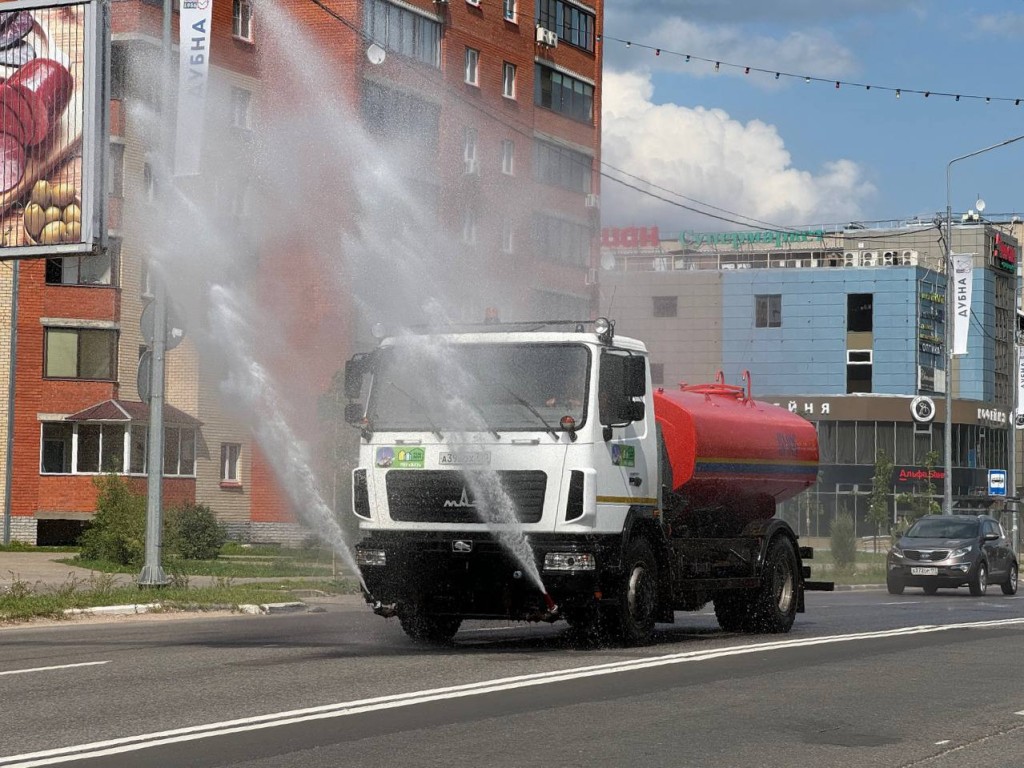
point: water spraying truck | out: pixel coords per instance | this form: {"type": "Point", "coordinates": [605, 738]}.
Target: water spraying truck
{"type": "Point", "coordinates": [530, 471]}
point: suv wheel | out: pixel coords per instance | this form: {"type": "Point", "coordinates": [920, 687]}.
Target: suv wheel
{"type": "Point", "coordinates": [1010, 585]}
{"type": "Point", "coordinates": [979, 582]}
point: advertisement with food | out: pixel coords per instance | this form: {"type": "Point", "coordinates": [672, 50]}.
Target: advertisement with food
{"type": "Point", "coordinates": [45, 89]}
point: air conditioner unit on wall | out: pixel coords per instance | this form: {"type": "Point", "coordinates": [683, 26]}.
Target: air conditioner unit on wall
{"type": "Point", "coordinates": [547, 37]}
{"type": "Point", "coordinates": [909, 258]}
{"type": "Point", "coordinates": [851, 259]}
{"type": "Point", "coordinates": [593, 201]}
{"type": "Point", "coordinates": [869, 258]}
{"type": "Point", "coordinates": [889, 258]}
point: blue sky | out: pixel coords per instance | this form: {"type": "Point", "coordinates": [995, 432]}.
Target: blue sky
{"type": "Point", "coordinates": [794, 153]}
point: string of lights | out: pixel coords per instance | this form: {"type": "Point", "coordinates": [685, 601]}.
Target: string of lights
{"type": "Point", "coordinates": [778, 74]}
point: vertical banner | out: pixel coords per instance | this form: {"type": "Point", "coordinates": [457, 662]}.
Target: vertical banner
{"type": "Point", "coordinates": [963, 277]}
{"type": "Point", "coordinates": [1018, 416]}
{"type": "Point", "coordinates": [193, 73]}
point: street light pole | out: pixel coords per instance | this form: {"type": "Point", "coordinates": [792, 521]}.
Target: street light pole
{"type": "Point", "coordinates": [947, 496]}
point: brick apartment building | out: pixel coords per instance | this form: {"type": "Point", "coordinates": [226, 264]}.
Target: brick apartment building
{"type": "Point", "coordinates": [505, 106]}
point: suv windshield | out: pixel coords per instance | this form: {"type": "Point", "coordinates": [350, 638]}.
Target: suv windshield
{"type": "Point", "coordinates": [933, 528]}
{"type": "Point", "coordinates": [423, 384]}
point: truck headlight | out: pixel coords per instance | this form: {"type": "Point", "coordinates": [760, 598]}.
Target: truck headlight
{"type": "Point", "coordinates": [569, 561]}
{"type": "Point", "coordinates": [371, 557]}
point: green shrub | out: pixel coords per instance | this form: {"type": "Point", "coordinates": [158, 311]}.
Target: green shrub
{"type": "Point", "coordinates": [117, 532]}
{"type": "Point", "coordinates": [844, 544]}
{"type": "Point", "coordinates": [192, 531]}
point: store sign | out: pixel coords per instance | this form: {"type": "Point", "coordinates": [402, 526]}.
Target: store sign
{"type": "Point", "coordinates": [807, 408]}
{"type": "Point", "coordinates": [193, 73]}
{"type": "Point", "coordinates": [963, 279]}
{"type": "Point", "coordinates": [630, 237]}
{"type": "Point", "coordinates": [992, 416]}
{"type": "Point", "coordinates": [918, 475]}
{"type": "Point", "coordinates": [1004, 255]}
{"type": "Point", "coordinates": [760, 237]}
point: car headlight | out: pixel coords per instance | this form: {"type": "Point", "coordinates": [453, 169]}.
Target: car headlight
{"type": "Point", "coordinates": [962, 552]}
{"type": "Point", "coordinates": [896, 551]}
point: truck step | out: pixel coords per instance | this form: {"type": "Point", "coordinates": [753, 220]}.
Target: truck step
{"type": "Point", "coordinates": [806, 553]}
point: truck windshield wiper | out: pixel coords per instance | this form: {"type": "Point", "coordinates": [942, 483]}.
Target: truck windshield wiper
{"type": "Point", "coordinates": [479, 411]}
{"type": "Point", "coordinates": [523, 402]}
{"type": "Point", "coordinates": [419, 403]}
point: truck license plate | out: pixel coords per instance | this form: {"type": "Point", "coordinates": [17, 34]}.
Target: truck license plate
{"type": "Point", "coordinates": [465, 458]}
{"type": "Point", "coordinates": [924, 571]}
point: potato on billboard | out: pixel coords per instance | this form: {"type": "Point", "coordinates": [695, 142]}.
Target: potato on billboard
{"type": "Point", "coordinates": [48, 127]}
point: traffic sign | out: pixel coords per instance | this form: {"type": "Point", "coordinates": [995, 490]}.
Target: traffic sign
{"type": "Point", "coordinates": [997, 482]}
{"type": "Point", "coordinates": [175, 330]}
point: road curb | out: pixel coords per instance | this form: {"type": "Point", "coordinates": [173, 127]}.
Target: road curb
{"type": "Point", "coordinates": [266, 608]}
{"type": "Point", "coordinates": [114, 610]}
{"type": "Point", "coordinates": [858, 587]}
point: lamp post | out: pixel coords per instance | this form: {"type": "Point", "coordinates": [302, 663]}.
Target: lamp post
{"type": "Point", "coordinates": [947, 497]}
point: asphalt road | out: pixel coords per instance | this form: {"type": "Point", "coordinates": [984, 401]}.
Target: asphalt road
{"type": "Point", "coordinates": [864, 679]}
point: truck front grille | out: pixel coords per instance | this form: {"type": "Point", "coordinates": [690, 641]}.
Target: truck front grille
{"type": "Point", "coordinates": [447, 496]}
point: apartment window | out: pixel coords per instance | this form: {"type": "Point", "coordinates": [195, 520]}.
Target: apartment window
{"type": "Point", "coordinates": [115, 177]}
{"type": "Point", "coordinates": [472, 66]}
{"type": "Point", "coordinates": [179, 451]}
{"type": "Point", "coordinates": [242, 20]}
{"type": "Point", "coordinates": [149, 184]}
{"type": "Point", "coordinates": [562, 167]}
{"type": "Point", "coordinates": [561, 240]}
{"type": "Point", "coordinates": [98, 269]}
{"type": "Point", "coordinates": [138, 448]}
{"type": "Point", "coordinates": [666, 306]}
{"type": "Point", "coordinates": [509, 9]}
{"type": "Point", "coordinates": [657, 374]}
{"type": "Point", "coordinates": [572, 25]}
{"type": "Point", "coordinates": [396, 116]}
{"type": "Point", "coordinates": [564, 94]}
{"type": "Point", "coordinates": [80, 353]}
{"type": "Point", "coordinates": [859, 312]}
{"type": "Point", "coordinates": [229, 456]}
{"type": "Point", "coordinates": [404, 31]}
{"type": "Point", "coordinates": [768, 311]}
{"type": "Point", "coordinates": [469, 226]}
{"type": "Point", "coordinates": [241, 101]}
{"type": "Point", "coordinates": [100, 448]}
{"type": "Point", "coordinates": [508, 156]}
{"type": "Point", "coordinates": [56, 451]}
{"type": "Point", "coordinates": [469, 141]}
{"type": "Point", "coordinates": [507, 243]}
{"type": "Point", "coordinates": [508, 80]}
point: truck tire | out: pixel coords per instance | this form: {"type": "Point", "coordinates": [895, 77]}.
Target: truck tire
{"type": "Point", "coordinates": [774, 604]}
{"type": "Point", "coordinates": [424, 627]}
{"type": "Point", "coordinates": [733, 611]}
{"type": "Point", "coordinates": [636, 604]}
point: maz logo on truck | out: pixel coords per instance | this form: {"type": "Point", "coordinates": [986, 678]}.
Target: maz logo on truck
{"type": "Point", "coordinates": [462, 502]}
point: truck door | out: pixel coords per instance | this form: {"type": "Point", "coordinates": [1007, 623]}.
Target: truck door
{"type": "Point", "coordinates": [626, 462]}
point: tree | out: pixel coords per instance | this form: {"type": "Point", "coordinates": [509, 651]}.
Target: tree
{"type": "Point", "coordinates": [844, 543]}
{"type": "Point", "coordinates": [878, 504]}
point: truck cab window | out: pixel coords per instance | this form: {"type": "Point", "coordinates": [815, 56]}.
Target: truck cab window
{"type": "Point", "coordinates": [620, 381]}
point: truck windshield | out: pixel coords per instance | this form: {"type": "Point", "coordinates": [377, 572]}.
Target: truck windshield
{"type": "Point", "coordinates": [420, 384]}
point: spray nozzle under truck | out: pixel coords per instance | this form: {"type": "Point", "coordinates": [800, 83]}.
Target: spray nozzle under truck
{"type": "Point", "coordinates": [531, 471]}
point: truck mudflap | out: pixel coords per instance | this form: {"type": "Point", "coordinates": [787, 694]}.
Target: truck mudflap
{"type": "Point", "coordinates": [470, 576]}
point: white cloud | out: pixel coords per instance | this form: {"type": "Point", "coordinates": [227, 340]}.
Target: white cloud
{"type": "Point", "coordinates": [708, 156]}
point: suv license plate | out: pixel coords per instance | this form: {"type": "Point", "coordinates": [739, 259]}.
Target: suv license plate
{"type": "Point", "coordinates": [924, 571]}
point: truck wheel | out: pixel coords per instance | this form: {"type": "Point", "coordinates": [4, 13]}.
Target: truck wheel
{"type": "Point", "coordinates": [427, 628]}
{"type": "Point", "coordinates": [979, 582]}
{"type": "Point", "coordinates": [732, 609]}
{"type": "Point", "coordinates": [637, 601]}
{"type": "Point", "coordinates": [775, 601]}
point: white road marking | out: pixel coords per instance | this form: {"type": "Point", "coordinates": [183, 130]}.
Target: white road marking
{"type": "Point", "coordinates": [905, 602]}
{"type": "Point", "coordinates": [343, 709]}
{"type": "Point", "coordinates": [940, 743]}
{"type": "Point", "coordinates": [59, 666]}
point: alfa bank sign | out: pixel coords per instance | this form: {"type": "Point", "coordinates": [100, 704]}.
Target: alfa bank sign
{"type": "Point", "coordinates": [630, 237]}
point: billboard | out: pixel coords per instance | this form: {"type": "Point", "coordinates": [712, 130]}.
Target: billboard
{"type": "Point", "coordinates": [49, 127]}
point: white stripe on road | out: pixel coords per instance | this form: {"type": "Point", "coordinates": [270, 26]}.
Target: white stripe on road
{"type": "Point", "coordinates": [343, 709]}
{"type": "Point", "coordinates": [47, 669]}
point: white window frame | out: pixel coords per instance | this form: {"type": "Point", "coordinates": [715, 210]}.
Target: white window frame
{"type": "Point", "coordinates": [469, 226]}
{"type": "Point", "coordinates": [469, 144]}
{"type": "Point", "coordinates": [869, 352]}
{"type": "Point", "coordinates": [241, 20]}
{"type": "Point", "coordinates": [509, 10]}
{"type": "Point", "coordinates": [507, 237]}
{"type": "Point", "coordinates": [472, 73]}
{"type": "Point", "coordinates": [508, 80]}
{"type": "Point", "coordinates": [241, 108]}
{"type": "Point", "coordinates": [230, 462]}
{"type": "Point", "coordinates": [508, 157]}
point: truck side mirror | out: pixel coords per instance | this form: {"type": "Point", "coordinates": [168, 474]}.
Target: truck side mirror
{"type": "Point", "coordinates": [355, 369]}
{"type": "Point", "coordinates": [634, 376]}
{"type": "Point", "coordinates": [634, 410]}
{"type": "Point", "coordinates": [353, 413]}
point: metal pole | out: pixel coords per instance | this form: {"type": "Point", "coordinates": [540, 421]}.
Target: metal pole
{"type": "Point", "coordinates": [947, 497]}
{"type": "Point", "coordinates": [152, 572]}
{"type": "Point", "coordinates": [9, 468]}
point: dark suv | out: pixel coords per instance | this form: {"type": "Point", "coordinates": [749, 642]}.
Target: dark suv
{"type": "Point", "coordinates": [950, 551]}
